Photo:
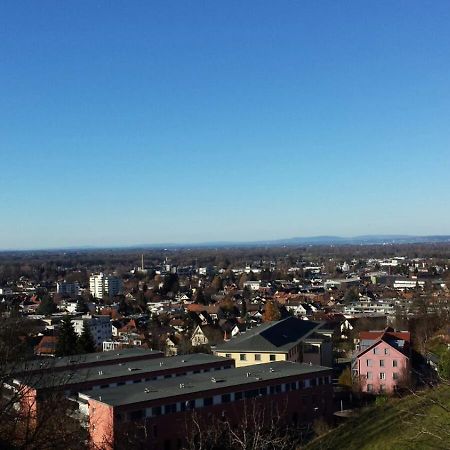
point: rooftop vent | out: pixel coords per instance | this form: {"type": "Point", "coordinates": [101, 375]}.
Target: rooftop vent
{"type": "Point", "coordinates": [258, 378]}
{"type": "Point", "coordinates": [213, 380]}
{"type": "Point", "coordinates": [131, 369]}
{"type": "Point", "coordinates": [161, 363]}
{"type": "Point", "coordinates": [248, 374]}
{"type": "Point", "coordinates": [271, 369]}
{"type": "Point", "coordinates": [183, 360]}
{"type": "Point", "coordinates": [100, 372]}
{"type": "Point", "coordinates": [181, 385]}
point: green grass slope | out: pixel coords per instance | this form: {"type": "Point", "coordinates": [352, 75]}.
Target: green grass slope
{"type": "Point", "coordinates": [416, 422]}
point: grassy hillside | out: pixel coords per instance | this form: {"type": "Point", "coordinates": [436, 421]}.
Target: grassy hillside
{"type": "Point", "coordinates": [413, 422]}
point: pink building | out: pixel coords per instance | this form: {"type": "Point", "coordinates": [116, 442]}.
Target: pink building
{"type": "Point", "coordinates": [382, 361]}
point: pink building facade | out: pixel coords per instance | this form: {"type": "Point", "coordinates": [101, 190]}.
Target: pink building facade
{"type": "Point", "coordinates": [382, 364]}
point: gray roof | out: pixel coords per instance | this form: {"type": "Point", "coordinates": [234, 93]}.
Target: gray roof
{"type": "Point", "coordinates": [110, 357]}
{"type": "Point", "coordinates": [279, 336]}
{"type": "Point", "coordinates": [108, 372]}
{"type": "Point", "coordinates": [201, 383]}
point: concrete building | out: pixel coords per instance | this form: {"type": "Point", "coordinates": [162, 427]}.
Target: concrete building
{"type": "Point", "coordinates": [5, 291]}
{"type": "Point", "coordinates": [290, 339]}
{"type": "Point", "coordinates": [163, 409]}
{"type": "Point", "coordinates": [101, 284]}
{"type": "Point", "coordinates": [99, 326]}
{"type": "Point", "coordinates": [408, 284]}
{"type": "Point", "coordinates": [127, 370]}
{"type": "Point", "coordinates": [65, 288]}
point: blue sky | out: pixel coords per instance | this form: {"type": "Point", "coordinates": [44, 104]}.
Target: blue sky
{"type": "Point", "coordinates": [165, 121]}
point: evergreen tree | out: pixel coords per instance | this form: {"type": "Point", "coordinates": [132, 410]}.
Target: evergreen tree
{"type": "Point", "coordinates": [82, 306]}
{"type": "Point", "coordinates": [47, 306]}
{"type": "Point", "coordinates": [67, 340]}
{"type": "Point", "coordinates": [244, 308]}
{"type": "Point", "coordinates": [200, 297]}
{"type": "Point", "coordinates": [85, 343]}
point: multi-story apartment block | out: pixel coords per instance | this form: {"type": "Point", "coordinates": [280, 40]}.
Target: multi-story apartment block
{"type": "Point", "coordinates": [66, 288]}
{"type": "Point", "coordinates": [99, 326]}
{"type": "Point", "coordinates": [101, 284]}
{"type": "Point", "coordinates": [161, 411]}
{"type": "Point", "coordinates": [35, 387]}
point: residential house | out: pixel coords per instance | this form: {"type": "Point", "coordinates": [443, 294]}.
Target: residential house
{"type": "Point", "coordinates": [207, 335]}
{"type": "Point", "coordinates": [382, 360]}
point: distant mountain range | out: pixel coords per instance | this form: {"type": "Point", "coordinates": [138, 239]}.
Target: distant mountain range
{"type": "Point", "coordinates": [381, 239]}
{"type": "Point", "coordinates": [316, 240]}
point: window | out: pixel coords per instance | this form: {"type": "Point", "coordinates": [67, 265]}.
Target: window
{"type": "Point", "coordinates": [251, 394]}
{"type": "Point", "coordinates": [394, 363]}
{"type": "Point", "coordinates": [395, 376]}
{"type": "Point", "coordinates": [156, 411]}
{"type": "Point", "coordinates": [243, 357]}
{"type": "Point", "coordinates": [273, 357]}
{"type": "Point", "coordinates": [369, 375]}
{"type": "Point", "coordinates": [369, 362]}
{"type": "Point", "coordinates": [382, 388]}
{"type": "Point", "coordinates": [238, 396]}
{"type": "Point", "coordinates": [381, 362]}
{"type": "Point", "coordinates": [375, 351]}
{"type": "Point", "coordinates": [257, 357]}
{"type": "Point", "coordinates": [170, 408]}
{"type": "Point", "coordinates": [207, 401]}
{"type": "Point", "coordinates": [136, 415]}
{"type": "Point", "coordinates": [382, 376]}
{"type": "Point", "coordinates": [370, 388]}
{"type": "Point", "coordinates": [227, 355]}
{"type": "Point", "coordinates": [386, 351]}
{"type": "Point", "coordinates": [226, 398]}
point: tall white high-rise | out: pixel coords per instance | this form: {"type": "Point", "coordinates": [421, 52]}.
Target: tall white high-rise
{"type": "Point", "coordinates": [101, 284]}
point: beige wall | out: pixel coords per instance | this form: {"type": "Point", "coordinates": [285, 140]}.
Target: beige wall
{"type": "Point", "coordinates": [250, 357]}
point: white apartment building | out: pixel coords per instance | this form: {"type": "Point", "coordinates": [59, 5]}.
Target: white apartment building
{"type": "Point", "coordinates": [100, 284]}
{"type": "Point", "coordinates": [408, 284]}
{"type": "Point", "coordinates": [65, 288]}
{"type": "Point", "coordinates": [99, 326]}
{"type": "Point", "coordinates": [252, 285]}
{"type": "Point", "coordinates": [5, 291]}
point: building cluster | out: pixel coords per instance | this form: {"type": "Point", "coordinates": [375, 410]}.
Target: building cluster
{"type": "Point", "coordinates": [144, 397]}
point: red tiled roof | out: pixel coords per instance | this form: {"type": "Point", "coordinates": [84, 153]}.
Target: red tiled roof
{"type": "Point", "coordinates": [385, 334]}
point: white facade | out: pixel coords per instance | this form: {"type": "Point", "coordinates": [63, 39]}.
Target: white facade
{"type": "Point", "coordinates": [99, 326]}
{"type": "Point", "coordinates": [408, 284]}
{"type": "Point", "coordinates": [252, 285]}
{"type": "Point", "coordinates": [5, 291]}
{"type": "Point", "coordinates": [100, 284]}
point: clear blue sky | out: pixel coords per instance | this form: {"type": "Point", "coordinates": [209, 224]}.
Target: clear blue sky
{"type": "Point", "coordinates": [186, 121]}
